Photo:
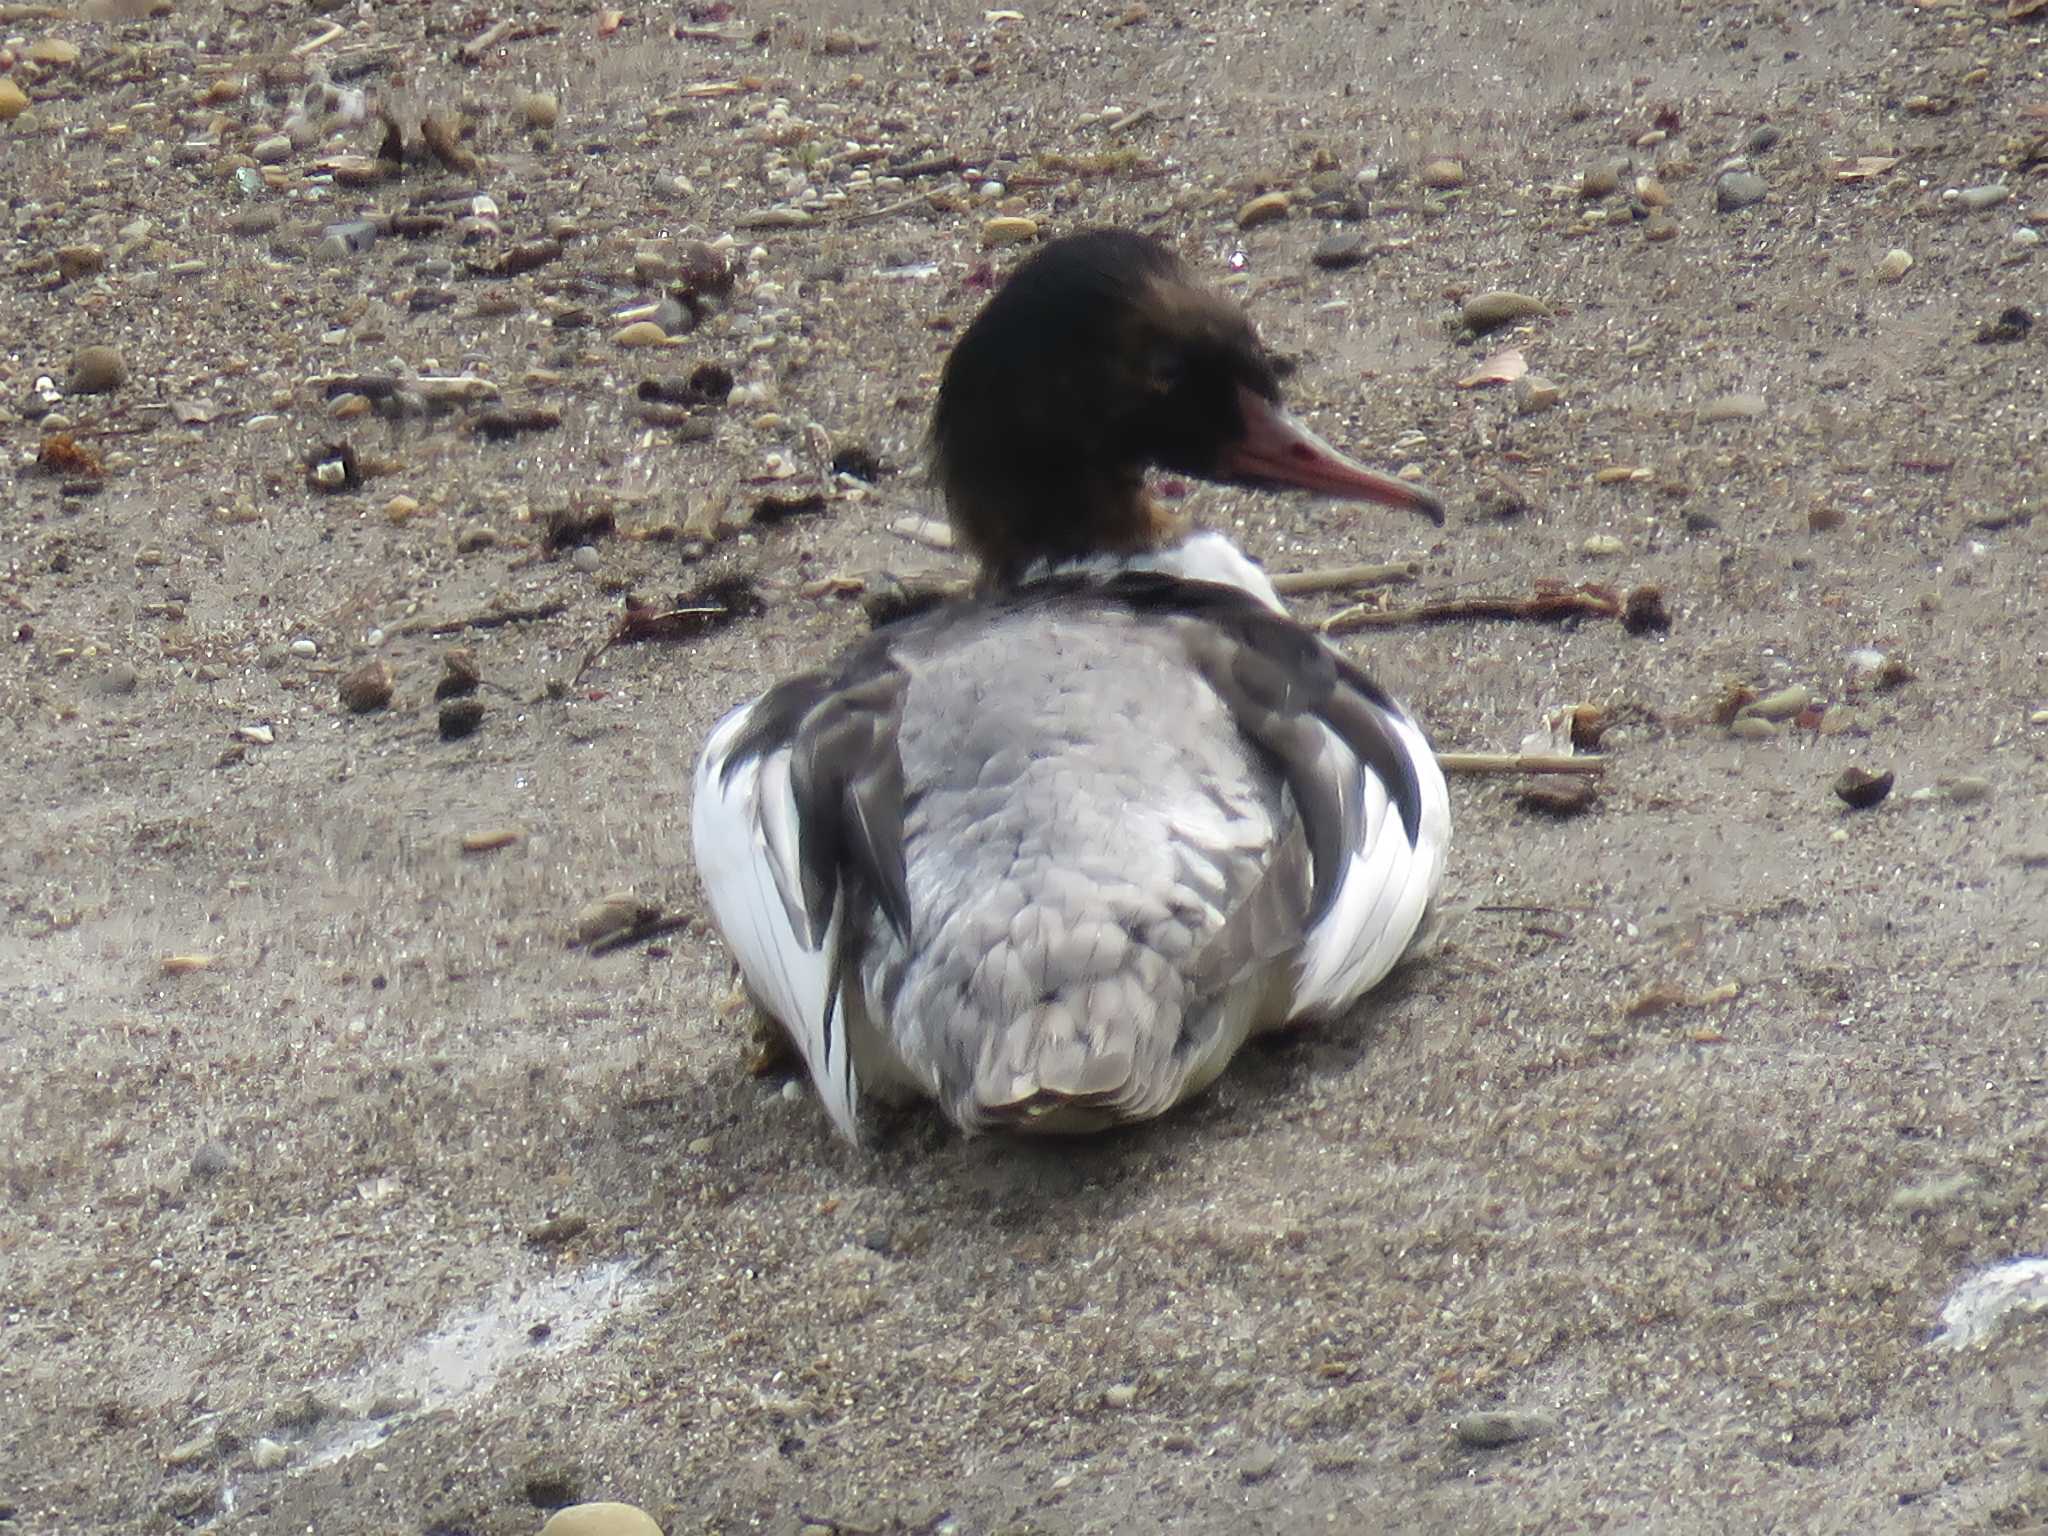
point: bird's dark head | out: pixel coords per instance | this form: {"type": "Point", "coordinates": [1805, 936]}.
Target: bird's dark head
{"type": "Point", "coordinates": [1098, 359]}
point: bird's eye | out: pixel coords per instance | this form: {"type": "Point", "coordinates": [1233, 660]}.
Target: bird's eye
{"type": "Point", "coordinates": [1165, 371]}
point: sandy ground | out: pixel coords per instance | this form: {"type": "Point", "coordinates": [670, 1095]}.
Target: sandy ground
{"type": "Point", "coordinates": [402, 1215]}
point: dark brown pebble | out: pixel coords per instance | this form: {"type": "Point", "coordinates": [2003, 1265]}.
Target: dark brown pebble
{"type": "Point", "coordinates": [570, 526]}
{"type": "Point", "coordinates": [368, 687]}
{"type": "Point", "coordinates": [460, 718]}
{"type": "Point", "coordinates": [501, 424]}
{"type": "Point", "coordinates": [562, 1229]}
{"type": "Point", "coordinates": [1558, 797]}
{"type": "Point", "coordinates": [1860, 789]}
{"type": "Point", "coordinates": [526, 257]}
{"type": "Point", "coordinates": [2011, 325]}
{"type": "Point", "coordinates": [460, 674]}
{"type": "Point", "coordinates": [1644, 612]}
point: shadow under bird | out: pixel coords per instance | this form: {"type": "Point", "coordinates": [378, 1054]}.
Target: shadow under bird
{"type": "Point", "coordinates": [1051, 853]}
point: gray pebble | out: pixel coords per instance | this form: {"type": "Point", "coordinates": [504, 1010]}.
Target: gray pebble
{"type": "Point", "coordinates": [1257, 1464]}
{"type": "Point", "coordinates": [1977, 199]}
{"type": "Point", "coordinates": [1485, 1431]}
{"type": "Point", "coordinates": [1739, 189]}
{"type": "Point", "coordinates": [211, 1161]}
{"type": "Point", "coordinates": [1732, 408]}
{"type": "Point", "coordinates": [260, 220]}
{"type": "Point", "coordinates": [355, 236]}
{"type": "Point", "coordinates": [274, 150]}
{"type": "Point", "coordinates": [118, 681]}
{"type": "Point", "coordinates": [1930, 1195]}
{"type": "Point", "coordinates": [1602, 179]}
{"type": "Point", "coordinates": [1764, 138]}
{"type": "Point", "coordinates": [586, 559]}
{"type": "Point", "coordinates": [1335, 252]}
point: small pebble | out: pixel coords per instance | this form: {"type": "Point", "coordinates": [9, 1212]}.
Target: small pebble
{"type": "Point", "coordinates": [1732, 408]}
{"type": "Point", "coordinates": [2011, 325]}
{"type": "Point", "coordinates": [1784, 704]}
{"type": "Point", "coordinates": [97, 371]}
{"type": "Point", "coordinates": [1659, 228]}
{"type": "Point", "coordinates": [1969, 789]}
{"type": "Point", "coordinates": [1930, 1195]}
{"type": "Point", "coordinates": [1009, 230]}
{"type": "Point", "coordinates": [274, 150]}
{"type": "Point", "coordinates": [1442, 175]}
{"type": "Point", "coordinates": [1895, 265]}
{"type": "Point", "coordinates": [211, 1161]}
{"type": "Point", "coordinates": [1264, 209]}
{"type": "Point", "coordinates": [1122, 1395]}
{"type": "Point", "coordinates": [191, 1453]}
{"type": "Point", "coordinates": [1333, 253]}
{"type": "Point", "coordinates": [1601, 179]}
{"type": "Point", "coordinates": [305, 649]}
{"type": "Point", "coordinates": [1860, 789]}
{"type": "Point", "coordinates": [1486, 1431]}
{"type": "Point", "coordinates": [600, 1520]}
{"type": "Point", "coordinates": [641, 333]}
{"type": "Point", "coordinates": [1534, 393]}
{"type": "Point", "coordinates": [1977, 199]}
{"type": "Point", "coordinates": [366, 688]}
{"type": "Point", "coordinates": [1753, 727]}
{"type": "Point", "coordinates": [1739, 189]}
{"type": "Point", "coordinates": [1558, 797]}
{"type": "Point", "coordinates": [460, 718]}
{"type": "Point", "coordinates": [1764, 138]}
{"type": "Point", "coordinates": [1257, 1464]}
{"type": "Point", "coordinates": [460, 674]}
{"type": "Point", "coordinates": [1602, 546]}
{"type": "Point", "coordinates": [1489, 311]}
{"type": "Point", "coordinates": [267, 1455]}
{"type": "Point", "coordinates": [13, 100]}
{"type": "Point", "coordinates": [540, 109]}
{"type": "Point", "coordinates": [76, 261]}
{"type": "Point", "coordinates": [586, 559]}
{"type": "Point", "coordinates": [118, 681]}
{"type": "Point", "coordinates": [609, 915]}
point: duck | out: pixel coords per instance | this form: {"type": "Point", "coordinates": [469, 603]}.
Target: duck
{"type": "Point", "coordinates": [1050, 853]}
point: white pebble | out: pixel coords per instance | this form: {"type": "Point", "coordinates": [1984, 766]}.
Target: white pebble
{"type": "Point", "coordinates": [305, 648]}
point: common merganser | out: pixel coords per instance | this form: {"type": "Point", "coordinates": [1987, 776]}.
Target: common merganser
{"type": "Point", "coordinates": [1050, 853]}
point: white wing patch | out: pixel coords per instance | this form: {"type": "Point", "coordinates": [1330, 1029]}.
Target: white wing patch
{"type": "Point", "coordinates": [745, 833]}
{"type": "Point", "coordinates": [1386, 887]}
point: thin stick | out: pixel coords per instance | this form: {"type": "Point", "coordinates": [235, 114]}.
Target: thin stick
{"type": "Point", "coordinates": [1564, 603]}
{"type": "Point", "coordinates": [485, 41]}
{"type": "Point", "coordinates": [1520, 762]}
{"type": "Point", "coordinates": [1343, 578]}
{"type": "Point", "coordinates": [495, 618]}
{"type": "Point", "coordinates": [315, 44]}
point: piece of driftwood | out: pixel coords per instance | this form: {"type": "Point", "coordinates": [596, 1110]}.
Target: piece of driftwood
{"type": "Point", "coordinates": [1547, 604]}
{"type": "Point", "coordinates": [1520, 762]}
